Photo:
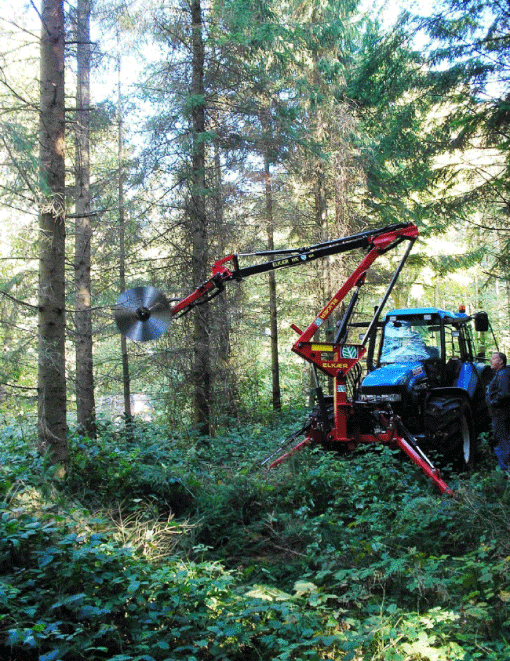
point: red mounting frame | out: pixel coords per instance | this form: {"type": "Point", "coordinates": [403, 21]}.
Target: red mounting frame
{"type": "Point", "coordinates": [336, 360]}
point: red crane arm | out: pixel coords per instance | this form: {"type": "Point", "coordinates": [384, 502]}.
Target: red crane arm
{"type": "Point", "coordinates": [345, 356]}
{"type": "Point", "coordinates": [376, 241]}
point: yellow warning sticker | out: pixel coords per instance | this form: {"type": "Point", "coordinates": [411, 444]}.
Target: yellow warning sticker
{"type": "Point", "coordinates": [323, 347]}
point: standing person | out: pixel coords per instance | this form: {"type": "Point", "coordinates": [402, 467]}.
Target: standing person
{"type": "Point", "coordinates": [498, 400]}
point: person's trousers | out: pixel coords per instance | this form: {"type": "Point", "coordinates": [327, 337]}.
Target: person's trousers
{"type": "Point", "coordinates": [501, 433]}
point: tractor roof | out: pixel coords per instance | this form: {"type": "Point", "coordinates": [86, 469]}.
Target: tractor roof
{"type": "Point", "coordinates": [446, 315]}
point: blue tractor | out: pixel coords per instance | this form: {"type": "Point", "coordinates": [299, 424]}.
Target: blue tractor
{"type": "Point", "coordinates": [424, 366]}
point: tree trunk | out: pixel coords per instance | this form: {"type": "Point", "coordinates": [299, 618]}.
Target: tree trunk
{"type": "Point", "coordinates": [85, 403]}
{"type": "Point", "coordinates": [126, 381]}
{"type": "Point", "coordinates": [224, 385]}
{"type": "Point", "coordinates": [201, 369]}
{"type": "Point", "coordinates": [273, 306]}
{"type": "Point", "coordinates": [324, 268]}
{"type": "Point", "coordinates": [52, 432]}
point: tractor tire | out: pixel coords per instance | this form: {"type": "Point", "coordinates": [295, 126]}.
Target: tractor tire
{"type": "Point", "coordinates": [467, 443]}
{"type": "Point", "coordinates": [451, 431]}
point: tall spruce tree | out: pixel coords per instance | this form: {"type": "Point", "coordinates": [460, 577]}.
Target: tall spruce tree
{"type": "Point", "coordinates": [85, 400]}
{"type": "Point", "coordinates": [198, 222]}
{"type": "Point", "coordinates": [52, 437]}
{"type": "Point", "coordinates": [390, 91]}
{"type": "Point", "coordinates": [256, 51]}
{"type": "Point", "coordinates": [470, 57]}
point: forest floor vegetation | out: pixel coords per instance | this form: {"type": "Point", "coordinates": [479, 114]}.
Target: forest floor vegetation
{"type": "Point", "coordinates": [163, 546]}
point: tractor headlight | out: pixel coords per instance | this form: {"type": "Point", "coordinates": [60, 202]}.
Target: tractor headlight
{"type": "Point", "coordinates": [387, 397]}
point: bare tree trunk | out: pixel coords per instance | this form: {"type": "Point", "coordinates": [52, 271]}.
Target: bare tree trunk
{"type": "Point", "coordinates": [273, 305]}
{"type": "Point", "coordinates": [85, 403]}
{"type": "Point", "coordinates": [201, 369]}
{"type": "Point", "coordinates": [52, 435]}
{"type": "Point", "coordinates": [225, 386]}
{"type": "Point", "coordinates": [321, 219]}
{"type": "Point", "coordinates": [126, 381]}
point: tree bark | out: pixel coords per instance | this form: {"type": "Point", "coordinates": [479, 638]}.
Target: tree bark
{"type": "Point", "coordinates": [201, 369]}
{"type": "Point", "coordinates": [224, 385]}
{"type": "Point", "coordinates": [126, 379]}
{"type": "Point", "coordinates": [85, 403]}
{"type": "Point", "coordinates": [52, 429]}
{"type": "Point", "coordinates": [273, 304]}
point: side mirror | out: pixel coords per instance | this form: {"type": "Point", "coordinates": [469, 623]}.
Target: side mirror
{"type": "Point", "coordinates": [481, 322]}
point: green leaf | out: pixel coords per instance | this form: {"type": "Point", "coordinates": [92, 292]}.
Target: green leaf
{"type": "Point", "coordinates": [268, 593]}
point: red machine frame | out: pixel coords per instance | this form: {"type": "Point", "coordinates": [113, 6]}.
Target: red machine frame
{"type": "Point", "coordinates": [335, 359]}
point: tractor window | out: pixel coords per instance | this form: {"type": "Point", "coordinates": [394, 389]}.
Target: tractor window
{"type": "Point", "coordinates": [452, 343]}
{"type": "Point", "coordinates": [410, 340]}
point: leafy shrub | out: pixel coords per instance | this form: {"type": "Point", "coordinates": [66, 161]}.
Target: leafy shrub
{"type": "Point", "coordinates": [119, 469]}
{"type": "Point", "coordinates": [345, 559]}
{"type": "Point", "coordinates": [85, 598]}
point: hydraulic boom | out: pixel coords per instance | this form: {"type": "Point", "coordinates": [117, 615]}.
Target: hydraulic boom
{"type": "Point", "coordinates": [143, 313]}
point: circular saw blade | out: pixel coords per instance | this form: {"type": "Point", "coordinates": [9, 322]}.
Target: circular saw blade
{"type": "Point", "coordinates": [142, 314]}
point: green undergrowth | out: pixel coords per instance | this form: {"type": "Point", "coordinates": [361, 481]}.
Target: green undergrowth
{"type": "Point", "coordinates": [166, 547]}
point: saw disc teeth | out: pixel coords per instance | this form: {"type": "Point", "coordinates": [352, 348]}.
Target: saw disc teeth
{"type": "Point", "coordinates": [142, 314]}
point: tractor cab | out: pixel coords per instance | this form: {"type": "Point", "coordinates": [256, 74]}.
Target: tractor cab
{"type": "Point", "coordinates": [426, 352]}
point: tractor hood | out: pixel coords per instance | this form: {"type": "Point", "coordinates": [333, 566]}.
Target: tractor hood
{"type": "Point", "coordinates": [399, 375]}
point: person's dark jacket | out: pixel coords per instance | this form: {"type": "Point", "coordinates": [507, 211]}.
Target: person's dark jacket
{"type": "Point", "coordinates": [498, 393]}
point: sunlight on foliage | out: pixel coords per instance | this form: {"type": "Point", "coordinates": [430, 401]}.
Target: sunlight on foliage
{"type": "Point", "coordinates": [353, 558]}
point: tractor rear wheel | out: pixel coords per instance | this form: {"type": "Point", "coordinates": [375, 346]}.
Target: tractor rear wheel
{"type": "Point", "coordinates": [467, 443]}
{"type": "Point", "coordinates": [451, 431]}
